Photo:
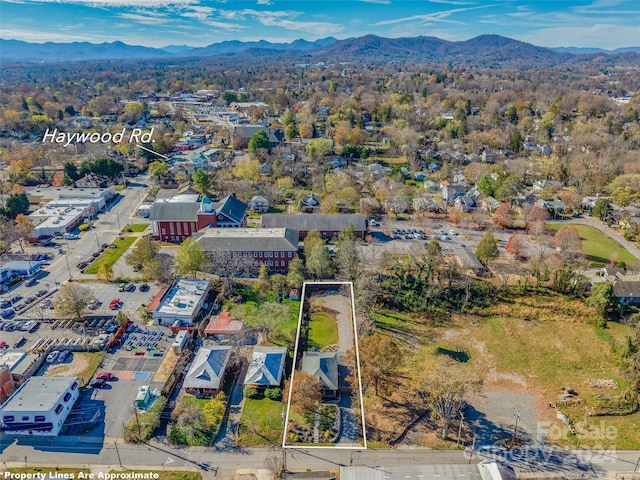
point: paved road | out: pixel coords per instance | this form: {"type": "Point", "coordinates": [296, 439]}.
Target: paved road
{"type": "Point", "coordinates": [530, 462]}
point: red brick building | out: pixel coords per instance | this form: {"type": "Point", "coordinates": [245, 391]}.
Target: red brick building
{"type": "Point", "coordinates": [248, 248]}
{"type": "Point", "coordinates": [179, 217]}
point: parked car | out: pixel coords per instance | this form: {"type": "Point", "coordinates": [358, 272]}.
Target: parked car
{"type": "Point", "coordinates": [70, 236]}
{"type": "Point", "coordinates": [453, 232]}
{"type": "Point", "coordinates": [107, 376]}
{"type": "Point", "coordinates": [93, 304]}
{"type": "Point", "coordinates": [122, 286]}
{"type": "Point", "coordinates": [41, 293]}
{"type": "Point", "coordinates": [130, 287]}
{"type": "Point", "coordinates": [113, 245]}
{"type": "Point", "coordinates": [63, 355]}
{"type": "Point", "coordinates": [5, 303]}
{"type": "Point", "coordinates": [144, 287]}
{"type": "Point", "coordinates": [98, 383]}
{"type": "Point", "coordinates": [32, 281]}
{"type": "Point", "coordinates": [115, 303]}
{"type": "Point", "coordinates": [53, 356]}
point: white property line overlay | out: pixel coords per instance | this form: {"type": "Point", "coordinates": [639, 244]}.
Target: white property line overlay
{"type": "Point", "coordinates": [295, 356]}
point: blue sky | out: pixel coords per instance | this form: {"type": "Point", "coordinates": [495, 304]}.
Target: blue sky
{"type": "Point", "coordinates": [584, 23]}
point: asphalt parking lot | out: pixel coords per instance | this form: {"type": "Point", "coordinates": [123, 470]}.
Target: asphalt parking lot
{"type": "Point", "coordinates": [104, 293]}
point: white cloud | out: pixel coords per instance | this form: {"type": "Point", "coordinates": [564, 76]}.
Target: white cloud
{"type": "Point", "coordinates": [264, 2]}
{"type": "Point", "coordinates": [122, 3]}
{"type": "Point", "coordinates": [379, 2]}
{"type": "Point", "coordinates": [431, 17]}
{"type": "Point", "coordinates": [144, 18]}
{"type": "Point", "coordinates": [318, 28]}
{"type": "Point", "coordinates": [608, 36]}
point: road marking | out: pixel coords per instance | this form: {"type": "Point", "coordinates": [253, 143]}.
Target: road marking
{"type": "Point", "coordinates": [169, 460]}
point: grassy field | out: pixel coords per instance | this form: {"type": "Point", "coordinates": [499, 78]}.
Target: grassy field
{"type": "Point", "coordinates": [528, 344]}
{"type": "Point", "coordinates": [136, 227]}
{"type": "Point", "coordinates": [323, 330]}
{"type": "Point", "coordinates": [598, 248]}
{"type": "Point", "coordinates": [261, 424]}
{"type": "Point", "coordinates": [111, 255]}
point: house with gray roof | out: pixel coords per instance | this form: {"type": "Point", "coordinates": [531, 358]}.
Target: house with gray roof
{"type": "Point", "coordinates": [205, 377]}
{"type": "Point", "coordinates": [259, 204]}
{"type": "Point", "coordinates": [266, 367]}
{"type": "Point", "coordinates": [328, 225]}
{"type": "Point", "coordinates": [251, 247]}
{"type": "Point", "coordinates": [242, 134]}
{"type": "Point", "coordinates": [324, 367]}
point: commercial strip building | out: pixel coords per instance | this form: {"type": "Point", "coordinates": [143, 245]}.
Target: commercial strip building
{"type": "Point", "coordinates": [67, 208]}
{"type": "Point", "coordinates": [181, 302]}
{"type": "Point", "coordinates": [328, 225]}
{"type": "Point", "coordinates": [19, 268]}
{"type": "Point", "coordinates": [51, 221]}
{"type": "Point", "coordinates": [40, 406]}
{"type": "Point", "coordinates": [252, 247]}
{"type": "Point", "coordinates": [180, 216]}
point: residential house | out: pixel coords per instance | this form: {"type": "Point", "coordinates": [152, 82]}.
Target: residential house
{"type": "Point", "coordinates": [396, 205]}
{"type": "Point", "coordinates": [468, 261]}
{"type": "Point", "coordinates": [223, 324]}
{"type": "Point", "coordinates": [425, 204]}
{"type": "Point", "coordinates": [259, 204]}
{"type": "Point", "coordinates": [324, 367]}
{"type": "Point", "coordinates": [328, 225]}
{"type": "Point", "coordinates": [487, 156]}
{"type": "Point", "coordinates": [179, 217]}
{"type": "Point", "coordinates": [243, 133]}
{"type": "Point", "coordinates": [310, 203]}
{"type": "Point", "coordinates": [466, 203]}
{"type": "Point", "coordinates": [555, 207]}
{"type": "Point", "coordinates": [451, 192]}
{"type": "Point", "coordinates": [627, 290]}
{"type": "Point", "coordinates": [92, 180]}
{"type": "Point", "coordinates": [250, 248]}
{"type": "Point", "coordinates": [420, 176]}
{"type": "Point", "coordinates": [266, 367]}
{"type": "Point", "coordinates": [489, 204]}
{"type": "Point", "coordinates": [206, 376]}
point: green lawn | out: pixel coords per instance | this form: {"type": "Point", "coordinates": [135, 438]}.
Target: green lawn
{"type": "Point", "coordinates": [136, 227]}
{"type": "Point", "coordinates": [323, 330]}
{"type": "Point", "coordinates": [111, 255]}
{"type": "Point", "coordinates": [597, 246]}
{"type": "Point", "coordinates": [261, 424]}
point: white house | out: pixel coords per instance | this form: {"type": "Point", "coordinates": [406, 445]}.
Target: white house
{"type": "Point", "coordinates": [40, 406]}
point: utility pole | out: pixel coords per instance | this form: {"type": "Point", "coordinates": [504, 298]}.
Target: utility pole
{"type": "Point", "coordinates": [117, 453]}
{"type": "Point", "coordinates": [473, 445]}
{"type": "Point", "coordinates": [460, 428]}
{"type": "Point", "coordinates": [515, 429]}
{"type": "Point", "coordinates": [135, 410]}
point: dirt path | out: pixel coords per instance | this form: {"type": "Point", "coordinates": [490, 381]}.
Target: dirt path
{"type": "Point", "coordinates": [342, 305]}
{"type": "Point", "coordinates": [74, 368]}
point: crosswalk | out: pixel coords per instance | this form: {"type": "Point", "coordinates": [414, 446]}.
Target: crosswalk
{"type": "Point", "coordinates": [107, 230]}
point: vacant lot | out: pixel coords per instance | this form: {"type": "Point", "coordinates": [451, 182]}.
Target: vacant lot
{"type": "Point", "coordinates": [261, 424]}
{"type": "Point", "coordinates": [522, 345]}
{"type": "Point", "coordinates": [598, 248]}
{"type": "Point", "coordinates": [111, 255]}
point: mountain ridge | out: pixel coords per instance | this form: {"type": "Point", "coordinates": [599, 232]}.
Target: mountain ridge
{"type": "Point", "coordinates": [487, 50]}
